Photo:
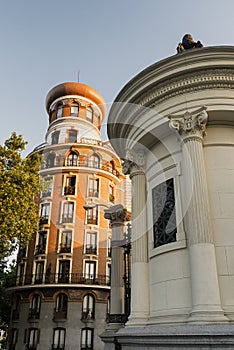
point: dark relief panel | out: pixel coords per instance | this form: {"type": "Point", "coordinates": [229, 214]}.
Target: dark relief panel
{"type": "Point", "coordinates": [164, 214]}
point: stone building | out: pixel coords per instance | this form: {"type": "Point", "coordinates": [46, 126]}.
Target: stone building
{"type": "Point", "coordinates": [61, 293]}
{"type": "Point", "coordinates": [173, 125]}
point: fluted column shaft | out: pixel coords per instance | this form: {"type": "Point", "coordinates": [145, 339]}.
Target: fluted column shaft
{"type": "Point", "coordinates": [206, 304]}
{"type": "Point", "coordinates": [140, 273]}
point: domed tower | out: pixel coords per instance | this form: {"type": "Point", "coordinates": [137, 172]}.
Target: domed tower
{"type": "Point", "coordinates": [61, 294]}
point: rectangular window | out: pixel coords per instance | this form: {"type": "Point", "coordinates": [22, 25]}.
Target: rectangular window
{"type": "Point", "coordinates": [55, 138]}
{"type": "Point", "coordinates": [93, 188]}
{"type": "Point", "coordinates": [92, 216]}
{"type": "Point", "coordinates": [90, 270]}
{"type": "Point", "coordinates": [41, 245]}
{"type": "Point", "coordinates": [39, 272]}
{"type": "Point", "coordinates": [72, 136]}
{"type": "Point", "coordinates": [68, 212]}
{"type": "Point", "coordinates": [47, 185]}
{"type": "Point", "coordinates": [66, 240]}
{"type": "Point", "coordinates": [59, 338]}
{"type": "Point", "coordinates": [109, 246]}
{"type": "Point", "coordinates": [45, 212]}
{"type": "Point", "coordinates": [21, 274]}
{"type": "Point", "coordinates": [91, 243]}
{"type": "Point", "coordinates": [32, 338]}
{"type": "Point", "coordinates": [64, 271]}
{"type": "Point", "coordinates": [111, 194]}
{"type": "Point", "coordinates": [164, 214]}
{"type": "Point", "coordinates": [108, 274]}
{"type": "Point", "coordinates": [13, 338]}
{"type": "Point", "coordinates": [70, 185]}
{"type": "Point", "coordinates": [87, 338]}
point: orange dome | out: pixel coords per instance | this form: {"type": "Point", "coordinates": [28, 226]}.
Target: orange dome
{"type": "Point", "coordinates": [73, 88]}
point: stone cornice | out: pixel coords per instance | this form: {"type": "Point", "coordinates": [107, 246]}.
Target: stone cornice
{"type": "Point", "coordinates": [202, 80]}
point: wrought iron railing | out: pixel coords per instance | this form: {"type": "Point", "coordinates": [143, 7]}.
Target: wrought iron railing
{"type": "Point", "coordinates": [34, 314]}
{"type": "Point", "coordinates": [83, 162]}
{"type": "Point", "coordinates": [117, 318]}
{"type": "Point", "coordinates": [56, 278]}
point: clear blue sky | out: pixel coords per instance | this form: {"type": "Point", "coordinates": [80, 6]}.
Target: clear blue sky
{"type": "Point", "coordinates": [46, 42]}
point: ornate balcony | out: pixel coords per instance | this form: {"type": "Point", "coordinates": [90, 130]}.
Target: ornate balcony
{"type": "Point", "coordinates": [56, 278]}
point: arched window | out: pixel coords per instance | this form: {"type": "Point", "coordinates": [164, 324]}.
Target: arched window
{"type": "Point", "coordinates": [74, 109]}
{"type": "Point", "coordinates": [50, 161]}
{"type": "Point", "coordinates": [88, 307]}
{"type": "Point", "coordinates": [34, 311]}
{"type": "Point", "coordinates": [72, 159]}
{"type": "Point", "coordinates": [60, 311]}
{"type": "Point", "coordinates": [94, 161]}
{"type": "Point", "coordinates": [89, 114]}
{"type": "Point", "coordinates": [59, 111]}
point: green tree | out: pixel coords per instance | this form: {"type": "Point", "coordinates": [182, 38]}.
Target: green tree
{"type": "Point", "coordinates": [5, 298]}
{"type": "Point", "coordinates": [19, 183]}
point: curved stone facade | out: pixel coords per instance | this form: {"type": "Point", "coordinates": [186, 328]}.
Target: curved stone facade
{"type": "Point", "coordinates": [175, 122]}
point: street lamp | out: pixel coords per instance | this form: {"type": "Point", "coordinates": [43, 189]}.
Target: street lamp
{"type": "Point", "coordinates": [120, 273]}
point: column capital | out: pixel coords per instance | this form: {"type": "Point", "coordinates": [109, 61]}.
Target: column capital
{"type": "Point", "coordinates": [190, 124]}
{"type": "Point", "coordinates": [134, 163]}
{"type": "Point", "coordinates": [117, 214]}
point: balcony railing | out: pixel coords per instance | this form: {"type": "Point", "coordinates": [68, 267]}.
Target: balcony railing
{"type": "Point", "coordinates": [40, 249]}
{"type": "Point", "coordinates": [92, 220]}
{"type": "Point", "coordinates": [93, 193]}
{"type": "Point", "coordinates": [117, 318]}
{"type": "Point", "coordinates": [91, 250]}
{"type": "Point", "coordinates": [67, 219]}
{"type": "Point", "coordinates": [34, 314]}
{"type": "Point", "coordinates": [83, 162]}
{"type": "Point", "coordinates": [65, 248]}
{"type": "Point", "coordinates": [87, 315]}
{"type": "Point", "coordinates": [57, 347]}
{"type": "Point", "coordinates": [56, 278]}
{"type": "Point", "coordinates": [69, 190]}
{"type": "Point", "coordinates": [60, 315]}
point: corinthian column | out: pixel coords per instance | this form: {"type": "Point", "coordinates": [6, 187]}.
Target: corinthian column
{"type": "Point", "coordinates": [206, 305]}
{"type": "Point", "coordinates": [133, 166]}
{"type": "Point", "coordinates": [117, 215]}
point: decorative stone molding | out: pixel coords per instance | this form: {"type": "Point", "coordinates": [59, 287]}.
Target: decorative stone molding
{"type": "Point", "coordinates": [208, 79]}
{"type": "Point", "coordinates": [190, 124]}
{"type": "Point", "coordinates": [117, 214]}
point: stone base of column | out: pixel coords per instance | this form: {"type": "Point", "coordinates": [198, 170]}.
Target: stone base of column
{"type": "Point", "coordinates": [205, 286]}
{"type": "Point", "coordinates": [182, 337]}
{"type": "Point", "coordinates": [203, 315]}
{"type": "Point", "coordinates": [139, 295]}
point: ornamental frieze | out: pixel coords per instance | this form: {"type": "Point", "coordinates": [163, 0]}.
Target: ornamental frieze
{"type": "Point", "coordinates": [193, 82]}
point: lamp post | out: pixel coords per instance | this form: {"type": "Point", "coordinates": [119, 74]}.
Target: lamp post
{"type": "Point", "coordinates": [120, 267]}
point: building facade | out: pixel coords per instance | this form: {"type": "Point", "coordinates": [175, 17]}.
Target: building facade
{"type": "Point", "coordinates": [173, 125]}
{"type": "Point", "coordinates": [61, 293]}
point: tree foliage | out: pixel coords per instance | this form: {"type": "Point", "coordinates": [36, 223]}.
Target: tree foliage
{"type": "Point", "coordinates": [19, 182]}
